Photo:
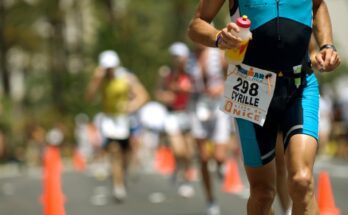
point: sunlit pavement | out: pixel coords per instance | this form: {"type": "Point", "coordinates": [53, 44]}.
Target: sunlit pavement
{"type": "Point", "coordinates": [148, 193]}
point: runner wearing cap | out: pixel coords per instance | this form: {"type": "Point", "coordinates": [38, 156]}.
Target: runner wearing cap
{"type": "Point", "coordinates": [173, 91]}
{"type": "Point", "coordinates": [211, 128]}
{"type": "Point", "coordinates": [121, 94]}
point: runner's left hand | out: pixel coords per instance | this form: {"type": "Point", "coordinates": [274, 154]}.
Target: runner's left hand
{"type": "Point", "coordinates": [326, 60]}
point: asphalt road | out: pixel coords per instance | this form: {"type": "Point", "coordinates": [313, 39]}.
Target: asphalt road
{"type": "Point", "coordinates": [148, 193]}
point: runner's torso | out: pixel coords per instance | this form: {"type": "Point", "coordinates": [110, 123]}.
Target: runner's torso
{"type": "Point", "coordinates": [116, 93]}
{"type": "Point", "coordinates": [182, 80]}
{"type": "Point", "coordinates": [206, 73]}
{"type": "Point", "coordinates": [282, 28]}
{"type": "Point", "coordinates": [281, 32]}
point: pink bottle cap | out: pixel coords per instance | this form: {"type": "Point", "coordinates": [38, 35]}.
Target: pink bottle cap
{"type": "Point", "coordinates": [243, 22]}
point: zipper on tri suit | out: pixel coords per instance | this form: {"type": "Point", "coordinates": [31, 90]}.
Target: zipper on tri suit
{"type": "Point", "coordinates": [279, 39]}
{"type": "Point", "coordinates": [278, 25]}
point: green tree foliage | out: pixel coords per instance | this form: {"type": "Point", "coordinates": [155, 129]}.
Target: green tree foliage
{"type": "Point", "coordinates": [141, 32]}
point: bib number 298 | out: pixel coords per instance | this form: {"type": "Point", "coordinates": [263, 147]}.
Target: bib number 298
{"type": "Point", "coordinates": [244, 87]}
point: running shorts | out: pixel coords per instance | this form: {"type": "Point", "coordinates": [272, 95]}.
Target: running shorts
{"type": "Point", "coordinates": [292, 111]}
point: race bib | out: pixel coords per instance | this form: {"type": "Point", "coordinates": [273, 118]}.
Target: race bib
{"type": "Point", "coordinates": [248, 92]}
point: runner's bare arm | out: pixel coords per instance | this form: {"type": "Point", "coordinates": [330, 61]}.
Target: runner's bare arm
{"type": "Point", "coordinates": [200, 30]}
{"type": "Point", "coordinates": [322, 28]}
{"type": "Point", "coordinates": [326, 59]}
{"type": "Point", "coordinates": [162, 93]}
{"type": "Point", "coordinates": [139, 96]}
{"type": "Point", "coordinates": [94, 84]}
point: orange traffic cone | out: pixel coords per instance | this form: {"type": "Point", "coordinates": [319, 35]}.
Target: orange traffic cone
{"type": "Point", "coordinates": [164, 160]}
{"type": "Point", "coordinates": [232, 181]}
{"type": "Point", "coordinates": [52, 198]}
{"type": "Point", "coordinates": [326, 200]}
{"type": "Point", "coordinates": [79, 161]}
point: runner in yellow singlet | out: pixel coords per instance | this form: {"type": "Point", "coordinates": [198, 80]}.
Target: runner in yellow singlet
{"type": "Point", "coordinates": [121, 95]}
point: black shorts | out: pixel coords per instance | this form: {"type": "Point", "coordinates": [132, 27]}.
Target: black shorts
{"type": "Point", "coordinates": [292, 111]}
{"type": "Point", "coordinates": [124, 143]}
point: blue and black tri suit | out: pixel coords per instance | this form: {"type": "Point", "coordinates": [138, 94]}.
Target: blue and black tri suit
{"type": "Point", "coordinates": [281, 33]}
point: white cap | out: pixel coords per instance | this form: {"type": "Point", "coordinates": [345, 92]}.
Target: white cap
{"type": "Point", "coordinates": [109, 59]}
{"type": "Point", "coordinates": [55, 136]}
{"type": "Point", "coordinates": [179, 49]}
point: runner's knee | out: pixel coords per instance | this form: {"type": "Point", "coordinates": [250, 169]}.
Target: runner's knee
{"type": "Point", "coordinates": [264, 195]}
{"type": "Point", "coordinates": [220, 153]}
{"type": "Point", "coordinates": [114, 149]}
{"type": "Point", "coordinates": [301, 183]}
{"type": "Point", "coordinates": [204, 154]}
{"type": "Point", "coordinates": [181, 151]}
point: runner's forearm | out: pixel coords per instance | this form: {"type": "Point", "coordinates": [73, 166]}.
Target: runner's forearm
{"type": "Point", "coordinates": [141, 97]}
{"type": "Point", "coordinates": [93, 88]}
{"type": "Point", "coordinates": [322, 28]}
{"type": "Point", "coordinates": [200, 30]}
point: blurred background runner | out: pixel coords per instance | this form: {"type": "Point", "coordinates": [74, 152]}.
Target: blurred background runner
{"type": "Point", "coordinates": [121, 95]}
{"type": "Point", "coordinates": [211, 128]}
{"type": "Point", "coordinates": [173, 90]}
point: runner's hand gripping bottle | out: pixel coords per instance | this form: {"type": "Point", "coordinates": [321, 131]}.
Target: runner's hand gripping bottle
{"type": "Point", "coordinates": [236, 55]}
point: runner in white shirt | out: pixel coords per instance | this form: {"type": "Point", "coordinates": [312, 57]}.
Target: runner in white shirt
{"type": "Point", "coordinates": [209, 124]}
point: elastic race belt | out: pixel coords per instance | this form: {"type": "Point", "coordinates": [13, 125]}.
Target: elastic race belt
{"type": "Point", "coordinates": [297, 73]}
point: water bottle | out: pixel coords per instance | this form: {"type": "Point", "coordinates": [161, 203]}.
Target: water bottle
{"type": "Point", "coordinates": [236, 55]}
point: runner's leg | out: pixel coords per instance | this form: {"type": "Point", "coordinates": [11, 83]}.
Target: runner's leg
{"type": "Point", "coordinates": [300, 156]}
{"type": "Point", "coordinates": [262, 189]}
{"type": "Point", "coordinates": [282, 184]}
{"type": "Point", "coordinates": [117, 159]}
{"type": "Point", "coordinates": [204, 157]}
